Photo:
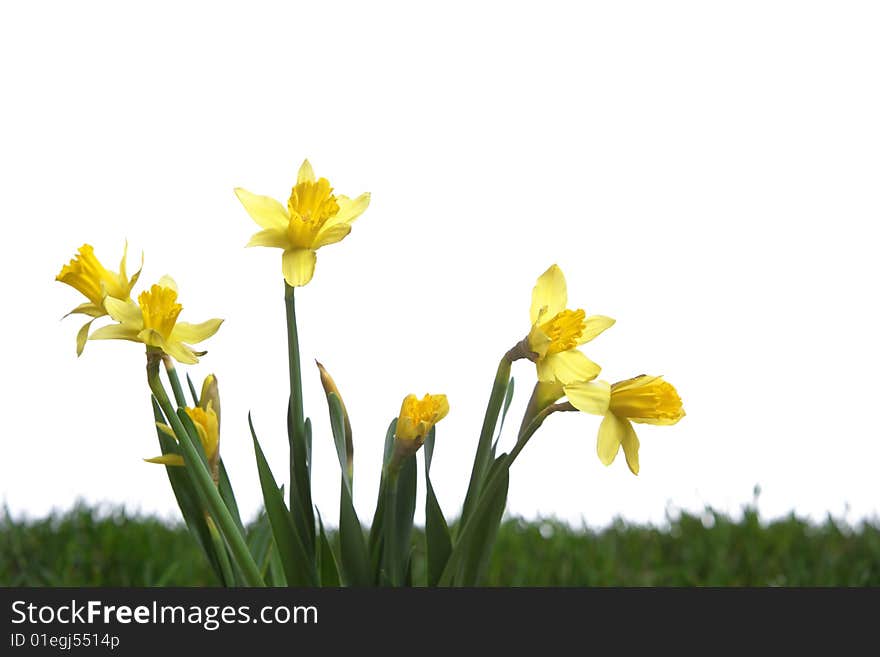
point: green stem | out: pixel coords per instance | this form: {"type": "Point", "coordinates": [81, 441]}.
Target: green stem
{"type": "Point", "coordinates": [175, 381]}
{"type": "Point", "coordinates": [484, 446]}
{"type": "Point", "coordinates": [202, 478]}
{"type": "Point", "coordinates": [296, 402]}
{"type": "Point", "coordinates": [301, 509]}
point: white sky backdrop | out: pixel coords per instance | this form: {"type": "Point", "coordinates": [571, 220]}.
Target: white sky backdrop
{"type": "Point", "coordinates": [706, 173]}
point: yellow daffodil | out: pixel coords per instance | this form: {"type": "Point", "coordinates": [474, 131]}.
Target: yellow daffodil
{"type": "Point", "coordinates": [314, 217]}
{"type": "Point", "coordinates": [417, 417]}
{"type": "Point", "coordinates": [557, 332]}
{"type": "Point", "coordinates": [153, 321]}
{"type": "Point", "coordinates": [643, 399]}
{"type": "Point", "coordinates": [86, 274]}
{"type": "Point", "coordinates": [207, 425]}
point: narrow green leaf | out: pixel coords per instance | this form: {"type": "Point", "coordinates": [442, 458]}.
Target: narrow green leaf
{"type": "Point", "coordinates": [482, 457]}
{"type": "Point", "coordinates": [508, 397]}
{"type": "Point", "coordinates": [438, 542]}
{"type": "Point", "coordinates": [377, 528]}
{"type": "Point", "coordinates": [228, 495]}
{"type": "Point", "coordinates": [300, 487]}
{"type": "Point", "coordinates": [353, 553]}
{"type": "Point", "coordinates": [399, 511]}
{"type": "Point", "coordinates": [477, 534]}
{"type": "Point", "coordinates": [192, 390]}
{"type": "Point", "coordinates": [326, 560]}
{"type": "Point", "coordinates": [337, 425]}
{"type": "Point", "coordinates": [298, 568]}
{"type": "Point", "coordinates": [187, 499]}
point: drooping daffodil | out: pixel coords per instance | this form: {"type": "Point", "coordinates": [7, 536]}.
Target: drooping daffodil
{"type": "Point", "coordinates": [153, 321]}
{"type": "Point", "coordinates": [86, 274]}
{"type": "Point", "coordinates": [642, 399]}
{"type": "Point", "coordinates": [314, 217]}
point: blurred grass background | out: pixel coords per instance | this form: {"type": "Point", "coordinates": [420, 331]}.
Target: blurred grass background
{"type": "Point", "coordinates": [99, 547]}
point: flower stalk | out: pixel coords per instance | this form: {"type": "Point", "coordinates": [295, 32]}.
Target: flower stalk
{"type": "Point", "coordinates": [203, 479]}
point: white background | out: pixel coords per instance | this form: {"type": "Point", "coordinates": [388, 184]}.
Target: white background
{"type": "Point", "coordinates": [706, 173]}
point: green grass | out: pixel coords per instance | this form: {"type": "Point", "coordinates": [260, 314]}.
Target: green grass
{"type": "Point", "coordinates": [86, 547]}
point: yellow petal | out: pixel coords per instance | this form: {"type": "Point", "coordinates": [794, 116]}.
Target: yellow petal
{"type": "Point", "coordinates": [124, 311]}
{"type": "Point", "coordinates": [89, 309]}
{"type": "Point", "coordinates": [611, 433]}
{"type": "Point", "coordinates": [265, 210]}
{"type": "Point", "coordinates": [589, 397]}
{"type": "Point", "coordinates": [331, 235]}
{"type": "Point", "coordinates": [630, 442]}
{"type": "Point", "coordinates": [167, 459]}
{"type": "Point", "coordinates": [182, 353]}
{"type": "Point", "coordinates": [81, 336]}
{"type": "Point", "coordinates": [350, 209]}
{"type": "Point", "coordinates": [549, 294]}
{"type": "Point", "coordinates": [272, 237]}
{"type": "Point", "coordinates": [167, 282]}
{"type": "Point", "coordinates": [115, 332]}
{"type": "Point", "coordinates": [567, 367]}
{"type": "Point", "coordinates": [164, 428]}
{"type": "Point", "coordinates": [593, 326]}
{"type": "Point", "coordinates": [298, 266]}
{"type": "Point", "coordinates": [305, 174]}
{"type": "Point", "coordinates": [195, 333]}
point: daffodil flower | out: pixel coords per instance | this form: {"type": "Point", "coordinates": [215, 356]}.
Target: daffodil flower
{"type": "Point", "coordinates": [557, 332]}
{"type": "Point", "coordinates": [153, 321]}
{"type": "Point", "coordinates": [207, 425]}
{"type": "Point", "coordinates": [417, 417]}
{"type": "Point", "coordinates": [314, 217]}
{"type": "Point", "coordinates": [643, 399]}
{"type": "Point", "coordinates": [87, 275]}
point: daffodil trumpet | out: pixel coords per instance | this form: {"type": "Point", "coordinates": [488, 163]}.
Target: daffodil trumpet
{"type": "Point", "coordinates": [315, 217]}
{"type": "Point", "coordinates": [87, 275]}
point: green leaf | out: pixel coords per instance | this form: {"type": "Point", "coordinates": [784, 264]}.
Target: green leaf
{"type": "Point", "coordinates": [353, 554]}
{"type": "Point", "coordinates": [298, 568]}
{"type": "Point", "coordinates": [438, 542]}
{"type": "Point", "coordinates": [399, 511]}
{"type": "Point", "coordinates": [508, 397]}
{"type": "Point", "coordinates": [483, 455]}
{"type": "Point", "coordinates": [301, 488]}
{"type": "Point", "coordinates": [228, 495]}
{"type": "Point", "coordinates": [473, 546]}
{"type": "Point", "coordinates": [326, 560]}
{"type": "Point", "coordinates": [337, 425]}
{"type": "Point", "coordinates": [192, 390]}
{"type": "Point", "coordinates": [377, 528]}
{"type": "Point", "coordinates": [188, 500]}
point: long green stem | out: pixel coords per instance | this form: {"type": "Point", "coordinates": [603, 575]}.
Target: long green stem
{"type": "Point", "coordinates": [203, 479]}
{"type": "Point", "coordinates": [301, 509]}
{"type": "Point", "coordinates": [296, 405]}
{"type": "Point", "coordinates": [176, 388]}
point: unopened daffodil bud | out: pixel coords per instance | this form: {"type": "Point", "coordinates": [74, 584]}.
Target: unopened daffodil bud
{"type": "Point", "coordinates": [417, 417]}
{"type": "Point", "coordinates": [207, 425]}
{"type": "Point", "coordinates": [210, 395]}
{"type": "Point", "coordinates": [330, 388]}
